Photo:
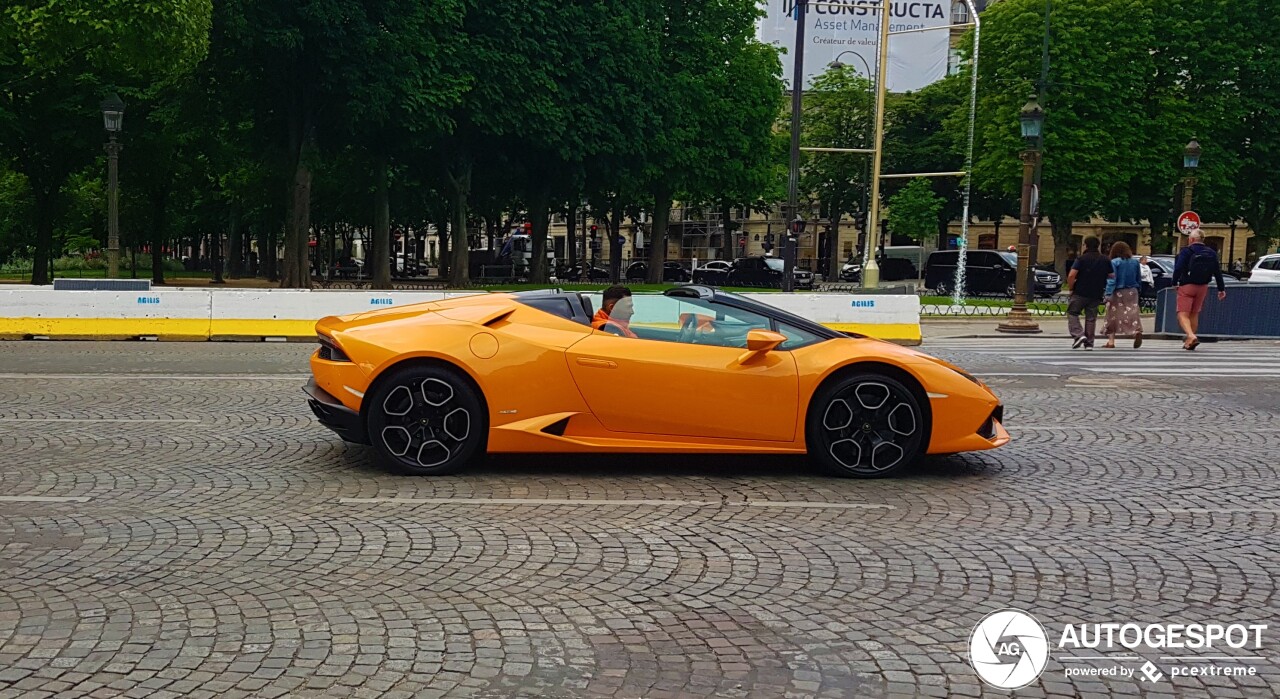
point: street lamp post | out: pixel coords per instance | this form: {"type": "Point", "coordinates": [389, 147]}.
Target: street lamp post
{"type": "Point", "coordinates": [113, 121]}
{"type": "Point", "coordinates": [1190, 163]}
{"type": "Point", "coordinates": [789, 243]}
{"type": "Point", "coordinates": [871, 268]}
{"type": "Point", "coordinates": [793, 182]}
{"type": "Point", "coordinates": [1019, 320]}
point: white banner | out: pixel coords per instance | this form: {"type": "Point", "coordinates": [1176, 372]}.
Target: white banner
{"type": "Point", "coordinates": [848, 31]}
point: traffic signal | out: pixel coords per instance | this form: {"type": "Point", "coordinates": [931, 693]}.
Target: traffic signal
{"type": "Point", "coordinates": [860, 220]}
{"type": "Point", "coordinates": [595, 230]}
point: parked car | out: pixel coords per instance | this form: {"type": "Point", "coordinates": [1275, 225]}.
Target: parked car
{"type": "Point", "coordinates": [986, 272]}
{"type": "Point", "coordinates": [892, 269]}
{"type": "Point", "coordinates": [1161, 267]}
{"type": "Point", "coordinates": [583, 273]}
{"type": "Point", "coordinates": [1266, 270]}
{"type": "Point", "coordinates": [671, 272]}
{"type": "Point", "coordinates": [348, 268]}
{"type": "Point", "coordinates": [851, 271]}
{"type": "Point", "coordinates": [1166, 265]}
{"type": "Point", "coordinates": [714, 272]}
{"type": "Point", "coordinates": [766, 272]}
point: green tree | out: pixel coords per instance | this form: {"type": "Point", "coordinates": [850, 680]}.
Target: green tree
{"type": "Point", "coordinates": [1091, 134]}
{"type": "Point", "coordinates": [56, 62]}
{"type": "Point", "coordinates": [1249, 134]}
{"type": "Point", "coordinates": [746, 170]}
{"type": "Point", "coordinates": [927, 131]}
{"type": "Point", "coordinates": [698, 42]}
{"type": "Point", "coordinates": [838, 112]}
{"type": "Point", "coordinates": [914, 211]}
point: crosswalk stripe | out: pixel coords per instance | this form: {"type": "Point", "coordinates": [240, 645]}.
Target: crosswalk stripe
{"type": "Point", "coordinates": [1156, 359]}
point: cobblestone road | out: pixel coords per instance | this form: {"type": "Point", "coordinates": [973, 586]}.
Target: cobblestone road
{"type": "Point", "coordinates": [174, 523]}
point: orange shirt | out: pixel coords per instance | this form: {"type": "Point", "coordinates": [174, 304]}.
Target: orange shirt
{"type": "Point", "coordinates": [601, 318]}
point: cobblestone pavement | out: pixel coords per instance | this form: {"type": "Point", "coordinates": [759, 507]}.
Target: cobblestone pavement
{"type": "Point", "coordinates": [163, 536]}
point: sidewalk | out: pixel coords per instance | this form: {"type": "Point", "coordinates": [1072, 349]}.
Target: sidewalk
{"type": "Point", "coordinates": [941, 328]}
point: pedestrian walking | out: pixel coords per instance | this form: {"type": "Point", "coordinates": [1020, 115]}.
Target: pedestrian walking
{"type": "Point", "coordinates": [1144, 269]}
{"type": "Point", "coordinates": [1123, 316]}
{"type": "Point", "coordinates": [1087, 281]}
{"type": "Point", "coordinates": [1195, 267]}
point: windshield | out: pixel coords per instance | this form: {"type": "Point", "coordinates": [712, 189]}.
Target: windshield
{"type": "Point", "coordinates": [1011, 257]}
{"type": "Point", "coordinates": [774, 263]}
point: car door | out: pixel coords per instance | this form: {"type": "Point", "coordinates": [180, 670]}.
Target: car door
{"type": "Point", "coordinates": [995, 275]}
{"type": "Point", "coordinates": [707, 385]}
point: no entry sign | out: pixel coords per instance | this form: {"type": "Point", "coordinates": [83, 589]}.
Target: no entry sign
{"type": "Point", "coordinates": [1188, 221]}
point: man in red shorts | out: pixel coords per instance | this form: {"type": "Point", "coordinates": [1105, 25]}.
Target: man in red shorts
{"type": "Point", "coordinates": [1196, 266]}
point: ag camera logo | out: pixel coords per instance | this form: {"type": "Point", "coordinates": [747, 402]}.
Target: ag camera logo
{"type": "Point", "coordinates": [1008, 649]}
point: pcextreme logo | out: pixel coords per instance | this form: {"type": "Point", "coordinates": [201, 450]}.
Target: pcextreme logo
{"type": "Point", "coordinates": [1009, 649]}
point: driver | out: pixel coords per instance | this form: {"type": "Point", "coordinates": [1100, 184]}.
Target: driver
{"type": "Point", "coordinates": [615, 312]}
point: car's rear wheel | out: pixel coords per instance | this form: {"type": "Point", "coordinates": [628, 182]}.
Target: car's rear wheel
{"type": "Point", "coordinates": [942, 289]}
{"type": "Point", "coordinates": [865, 425]}
{"type": "Point", "coordinates": [427, 420]}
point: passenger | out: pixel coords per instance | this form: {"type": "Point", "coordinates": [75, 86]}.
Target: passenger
{"type": "Point", "coordinates": [615, 312]}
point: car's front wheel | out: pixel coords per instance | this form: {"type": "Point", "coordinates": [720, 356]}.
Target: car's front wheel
{"type": "Point", "coordinates": [865, 425]}
{"type": "Point", "coordinates": [427, 420]}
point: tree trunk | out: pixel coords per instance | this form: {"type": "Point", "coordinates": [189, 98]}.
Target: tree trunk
{"type": "Point", "coordinates": [267, 259]}
{"type": "Point", "coordinates": [460, 258]}
{"type": "Point", "coordinates": [571, 238]}
{"type": "Point", "coordinates": [378, 261]}
{"type": "Point", "coordinates": [615, 248]}
{"type": "Point", "coordinates": [1061, 241]}
{"type": "Point", "coordinates": [235, 250]}
{"type": "Point", "coordinates": [491, 232]}
{"type": "Point", "coordinates": [442, 253]}
{"type": "Point", "coordinates": [297, 234]}
{"type": "Point", "coordinates": [215, 256]}
{"type": "Point", "coordinates": [40, 266]}
{"type": "Point", "coordinates": [539, 214]}
{"type": "Point", "coordinates": [726, 238]}
{"type": "Point", "coordinates": [159, 222]}
{"type": "Point", "coordinates": [460, 181]}
{"type": "Point", "coordinates": [833, 247]}
{"type": "Point", "coordinates": [658, 236]}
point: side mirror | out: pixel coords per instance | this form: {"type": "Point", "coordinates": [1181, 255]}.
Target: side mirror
{"type": "Point", "coordinates": [764, 340]}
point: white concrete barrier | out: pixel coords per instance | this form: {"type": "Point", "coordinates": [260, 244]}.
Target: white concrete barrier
{"type": "Point", "coordinates": [171, 313]}
{"type": "Point", "coordinates": [890, 317]}
{"type": "Point", "coordinates": [294, 312]}
{"type": "Point", "coordinates": [201, 314]}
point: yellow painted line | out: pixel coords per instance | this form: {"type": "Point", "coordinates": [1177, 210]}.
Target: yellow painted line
{"type": "Point", "coordinates": [203, 328]}
{"type": "Point", "coordinates": [273, 327]}
{"type": "Point", "coordinates": [196, 328]}
{"type": "Point", "coordinates": [887, 331]}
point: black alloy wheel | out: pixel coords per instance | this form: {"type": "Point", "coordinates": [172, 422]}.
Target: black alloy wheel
{"type": "Point", "coordinates": [427, 420]}
{"type": "Point", "coordinates": [865, 425]}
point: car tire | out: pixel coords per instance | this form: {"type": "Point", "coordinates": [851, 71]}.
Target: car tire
{"type": "Point", "coordinates": [942, 289]}
{"type": "Point", "coordinates": [1011, 291]}
{"type": "Point", "coordinates": [427, 420]}
{"type": "Point", "coordinates": [865, 425]}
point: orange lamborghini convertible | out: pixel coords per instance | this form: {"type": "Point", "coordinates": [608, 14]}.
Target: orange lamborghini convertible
{"type": "Point", "coordinates": [695, 370]}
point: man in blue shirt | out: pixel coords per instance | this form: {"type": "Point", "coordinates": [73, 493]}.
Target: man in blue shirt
{"type": "Point", "coordinates": [1195, 267]}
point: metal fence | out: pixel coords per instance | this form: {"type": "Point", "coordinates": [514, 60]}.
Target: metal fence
{"type": "Point", "coordinates": [1249, 311]}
